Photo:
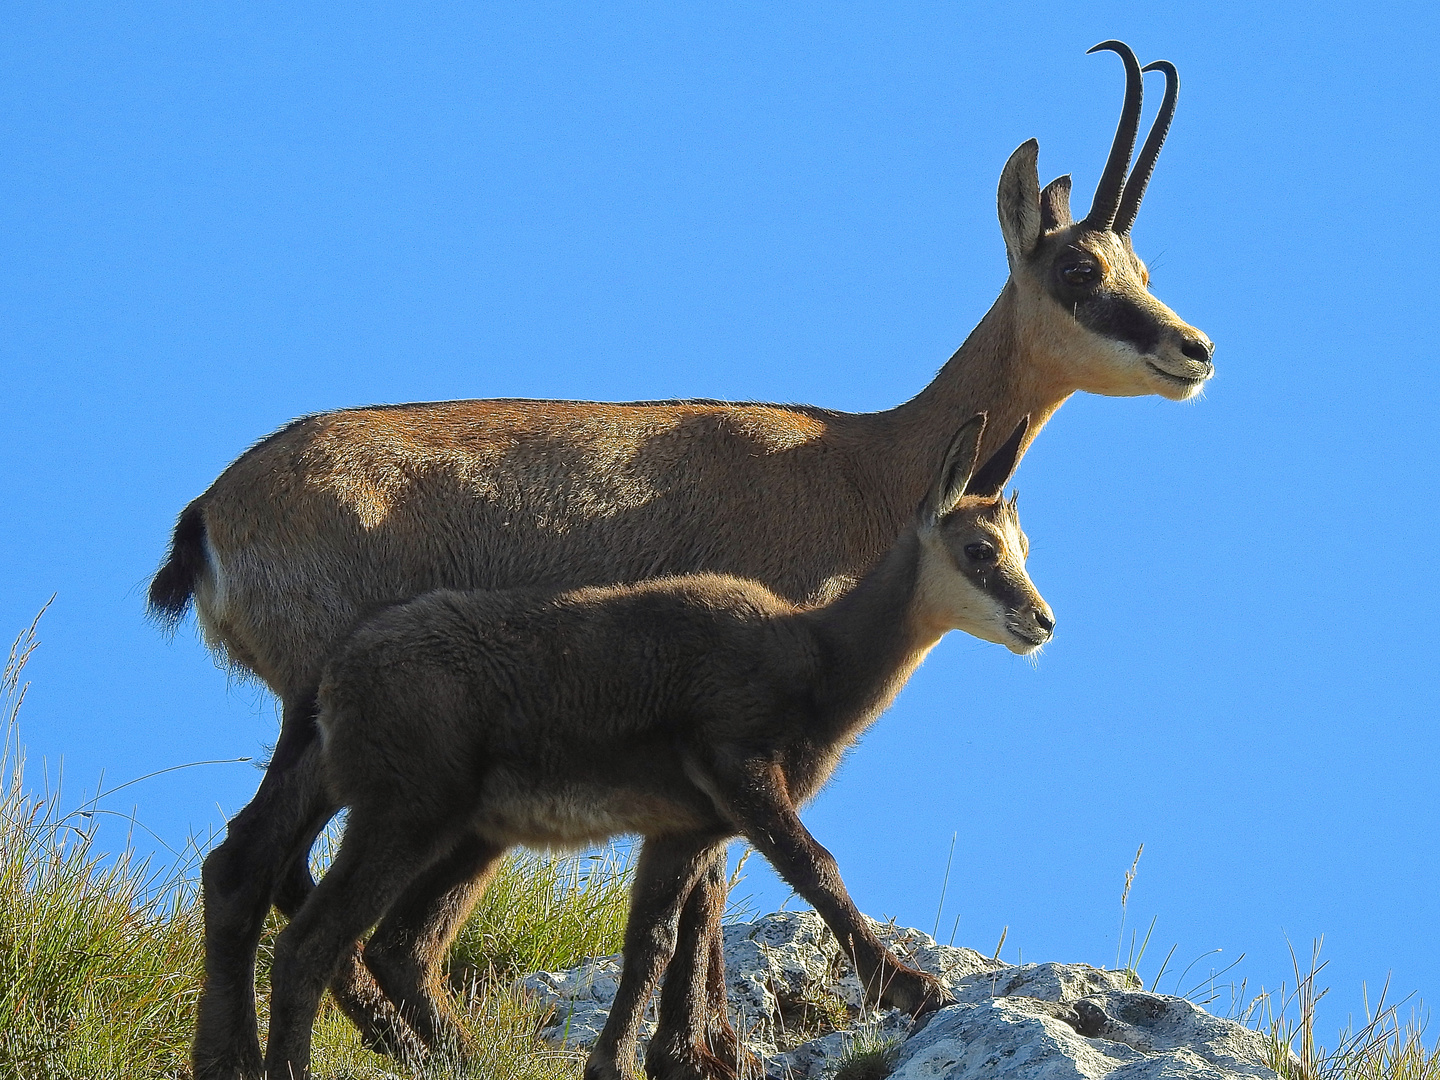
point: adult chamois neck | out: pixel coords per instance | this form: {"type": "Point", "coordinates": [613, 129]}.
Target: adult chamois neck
{"type": "Point", "coordinates": [872, 638]}
{"type": "Point", "coordinates": [999, 370]}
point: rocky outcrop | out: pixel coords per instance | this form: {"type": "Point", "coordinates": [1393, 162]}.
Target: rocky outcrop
{"type": "Point", "coordinates": [796, 1001]}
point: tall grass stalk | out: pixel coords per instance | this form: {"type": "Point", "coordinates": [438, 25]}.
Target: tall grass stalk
{"type": "Point", "coordinates": [99, 959]}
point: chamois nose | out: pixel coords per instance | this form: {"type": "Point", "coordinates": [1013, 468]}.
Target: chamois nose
{"type": "Point", "coordinates": [1045, 621]}
{"type": "Point", "coordinates": [1200, 349]}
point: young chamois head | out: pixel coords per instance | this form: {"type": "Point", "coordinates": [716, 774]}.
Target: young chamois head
{"type": "Point", "coordinates": [972, 564]}
{"type": "Point", "coordinates": [1084, 293]}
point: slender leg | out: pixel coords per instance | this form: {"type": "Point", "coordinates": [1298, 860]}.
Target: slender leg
{"type": "Point", "coordinates": [353, 987]}
{"type": "Point", "coordinates": [667, 871]}
{"type": "Point", "coordinates": [694, 1038]}
{"type": "Point", "coordinates": [408, 948]}
{"type": "Point", "coordinates": [237, 880]}
{"type": "Point", "coordinates": [377, 859]}
{"type": "Point", "coordinates": [759, 801]}
{"type": "Point", "coordinates": [724, 1042]}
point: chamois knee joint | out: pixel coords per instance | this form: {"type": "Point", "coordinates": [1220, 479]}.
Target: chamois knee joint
{"type": "Point", "coordinates": [390, 961]}
{"type": "Point", "coordinates": [222, 873]}
{"type": "Point", "coordinates": [662, 939]}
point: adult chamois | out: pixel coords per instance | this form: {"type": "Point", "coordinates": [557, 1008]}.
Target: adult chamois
{"type": "Point", "coordinates": [339, 512]}
{"type": "Point", "coordinates": [687, 709]}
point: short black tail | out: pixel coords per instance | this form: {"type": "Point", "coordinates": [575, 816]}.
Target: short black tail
{"type": "Point", "coordinates": [173, 586]}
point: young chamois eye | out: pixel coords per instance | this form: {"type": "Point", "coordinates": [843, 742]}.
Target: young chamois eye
{"type": "Point", "coordinates": [980, 551]}
{"type": "Point", "coordinates": [1079, 273]}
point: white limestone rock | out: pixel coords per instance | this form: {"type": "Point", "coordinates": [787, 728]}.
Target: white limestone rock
{"type": "Point", "coordinates": [1116, 1034]}
{"type": "Point", "coordinates": [581, 998]}
{"type": "Point", "coordinates": [1033, 1022]}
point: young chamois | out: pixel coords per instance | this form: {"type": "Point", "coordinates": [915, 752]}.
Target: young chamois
{"type": "Point", "coordinates": [343, 511]}
{"type": "Point", "coordinates": [686, 709]}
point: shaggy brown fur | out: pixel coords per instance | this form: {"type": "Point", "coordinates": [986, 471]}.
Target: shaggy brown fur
{"type": "Point", "coordinates": [340, 513]}
{"type": "Point", "coordinates": [685, 709]}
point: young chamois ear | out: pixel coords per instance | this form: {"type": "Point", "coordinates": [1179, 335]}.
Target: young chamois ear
{"type": "Point", "coordinates": [958, 475]}
{"type": "Point", "coordinates": [959, 464]}
{"type": "Point", "coordinates": [990, 479]}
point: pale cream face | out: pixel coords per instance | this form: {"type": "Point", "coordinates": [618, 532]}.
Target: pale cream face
{"type": "Point", "coordinates": [972, 577]}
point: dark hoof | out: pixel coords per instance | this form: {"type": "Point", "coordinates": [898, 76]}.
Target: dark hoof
{"type": "Point", "coordinates": [724, 1045]}
{"type": "Point", "coordinates": [603, 1070]}
{"type": "Point", "coordinates": [697, 1063]}
{"type": "Point", "coordinates": [382, 1029]}
{"type": "Point", "coordinates": [932, 1004]}
{"type": "Point", "coordinates": [240, 1066]}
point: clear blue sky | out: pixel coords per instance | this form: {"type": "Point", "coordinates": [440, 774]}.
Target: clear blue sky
{"type": "Point", "coordinates": [217, 217]}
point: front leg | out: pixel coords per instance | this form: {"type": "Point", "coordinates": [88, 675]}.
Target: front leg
{"type": "Point", "coordinates": [666, 873]}
{"type": "Point", "coordinates": [756, 796]}
{"type": "Point", "coordinates": [694, 1038]}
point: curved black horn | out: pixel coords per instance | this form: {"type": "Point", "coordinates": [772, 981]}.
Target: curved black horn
{"type": "Point", "coordinates": [1108, 191]}
{"type": "Point", "coordinates": [1145, 163]}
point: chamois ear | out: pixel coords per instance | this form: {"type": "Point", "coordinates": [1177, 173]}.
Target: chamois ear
{"type": "Point", "coordinates": [1018, 202]}
{"type": "Point", "coordinates": [990, 479]}
{"type": "Point", "coordinates": [954, 474]}
{"type": "Point", "coordinates": [1055, 204]}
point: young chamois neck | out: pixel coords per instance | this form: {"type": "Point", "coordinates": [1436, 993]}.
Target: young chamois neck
{"type": "Point", "coordinates": [999, 371]}
{"type": "Point", "coordinates": [872, 639]}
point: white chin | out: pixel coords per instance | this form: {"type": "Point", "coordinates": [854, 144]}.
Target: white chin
{"type": "Point", "coordinates": [1173, 388]}
{"type": "Point", "coordinates": [1176, 392]}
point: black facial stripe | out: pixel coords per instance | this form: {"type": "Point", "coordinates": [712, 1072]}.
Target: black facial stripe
{"type": "Point", "coordinates": [1120, 319]}
{"type": "Point", "coordinates": [1007, 593]}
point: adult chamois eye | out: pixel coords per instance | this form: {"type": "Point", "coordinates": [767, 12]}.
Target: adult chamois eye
{"type": "Point", "coordinates": [980, 551]}
{"type": "Point", "coordinates": [1079, 273]}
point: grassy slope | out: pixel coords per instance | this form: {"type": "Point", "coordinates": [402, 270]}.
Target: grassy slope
{"type": "Point", "coordinates": [101, 961]}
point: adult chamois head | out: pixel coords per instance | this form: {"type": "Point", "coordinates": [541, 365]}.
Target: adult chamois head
{"type": "Point", "coordinates": [1083, 292]}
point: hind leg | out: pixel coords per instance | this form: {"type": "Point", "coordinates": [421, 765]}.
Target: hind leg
{"type": "Point", "coordinates": [237, 880]}
{"type": "Point", "coordinates": [407, 951]}
{"type": "Point", "coordinates": [378, 858]}
{"type": "Point", "coordinates": [353, 988]}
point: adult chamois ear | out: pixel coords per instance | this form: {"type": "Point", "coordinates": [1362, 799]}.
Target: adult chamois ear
{"type": "Point", "coordinates": [1055, 204]}
{"type": "Point", "coordinates": [960, 458]}
{"type": "Point", "coordinates": [990, 479]}
{"type": "Point", "coordinates": [1018, 201]}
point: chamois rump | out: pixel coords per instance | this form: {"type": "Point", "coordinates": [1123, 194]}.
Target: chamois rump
{"type": "Point", "coordinates": [686, 709]}
{"type": "Point", "coordinates": [340, 512]}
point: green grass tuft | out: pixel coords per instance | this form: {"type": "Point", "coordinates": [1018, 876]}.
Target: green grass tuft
{"type": "Point", "coordinates": [543, 913]}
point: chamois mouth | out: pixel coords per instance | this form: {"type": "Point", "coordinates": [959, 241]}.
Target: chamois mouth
{"type": "Point", "coordinates": [1186, 382]}
{"type": "Point", "coordinates": [1032, 640]}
